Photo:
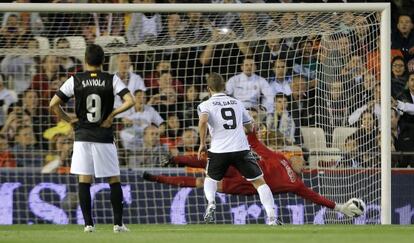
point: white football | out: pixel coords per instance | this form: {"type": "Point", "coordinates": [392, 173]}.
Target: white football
{"type": "Point", "coordinates": [359, 208]}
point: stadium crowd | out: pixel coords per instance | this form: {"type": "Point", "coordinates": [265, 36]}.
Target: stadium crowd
{"type": "Point", "coordinates": [285, 83]}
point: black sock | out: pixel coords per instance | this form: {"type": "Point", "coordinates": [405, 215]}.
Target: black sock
{"type": "Point", "coordinates": [85, 202]}
{"type": "Point", "coordinates": [117, 202]}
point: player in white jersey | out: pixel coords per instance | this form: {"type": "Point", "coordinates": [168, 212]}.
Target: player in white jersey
{"type": "Point", "coordinates": [225, 118]}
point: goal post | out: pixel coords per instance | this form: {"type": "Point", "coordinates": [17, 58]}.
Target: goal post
{"type": "Point", "coordinates": [383, 11]}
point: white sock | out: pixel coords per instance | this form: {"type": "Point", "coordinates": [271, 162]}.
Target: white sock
{"type": "Point", "coordinates": [266, 197]}
{"type": "Point", "coordinates": [210, 188]}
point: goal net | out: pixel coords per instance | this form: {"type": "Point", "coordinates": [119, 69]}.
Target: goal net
{"type": "Point", "coordinates": [310, 80]}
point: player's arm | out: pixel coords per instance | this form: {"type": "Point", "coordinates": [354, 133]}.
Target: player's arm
{"type": "Point", "coordinates": [61, 97]}
{"type": "Point", "coordinates": [128, 102]}
{"type": "Point", "coordinates": [202, 128]}
{"type": "Point", "coordinates": [56, 108]}
{"type": "Point", "coordinates": [258, 146]}
{"type": "Point", "coordinates": [347, 208]}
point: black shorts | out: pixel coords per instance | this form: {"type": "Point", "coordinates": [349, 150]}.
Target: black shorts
{"type": "Point", "coordinates": [243, 161]}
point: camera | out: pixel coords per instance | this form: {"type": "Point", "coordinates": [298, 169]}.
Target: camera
{"type": "Point", "coordinates": [163, 97]}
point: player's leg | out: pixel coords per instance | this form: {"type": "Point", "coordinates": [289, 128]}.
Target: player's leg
{"type": "Point", "coordinates": [85, 201]}
{"type": "Point", "coordinates": [266, 198]}
{"type": "Point", "coordinates": [117, 203]}
{"type": "Point", "coordinates": [106, 164]}
{"type": "Point", "coordinates": [82, 165]}
{"type": "Point", "coordinates": [217, 165]}
{"type": "Point", "coordinates": [247, 165]}
{"type": "Point", "coordinates": [181, 181]}
{"type": "Point", "coordinates": [187, 160]}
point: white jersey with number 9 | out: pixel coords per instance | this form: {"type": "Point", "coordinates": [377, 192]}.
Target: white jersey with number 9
{"type": "Point", "coordinates": [226, 118]}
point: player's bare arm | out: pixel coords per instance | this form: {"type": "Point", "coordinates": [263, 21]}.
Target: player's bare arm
{"type": "Point", "coordinates": [56, 108]}
{"type": "Point", "coordinates": [202, 128]}
{"type": "Point", "coordinates": [128, 102]}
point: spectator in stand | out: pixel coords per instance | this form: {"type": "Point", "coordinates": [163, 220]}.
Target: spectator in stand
{"type": "Point", "coordinates": [26, 149]}
{"type": "Point", "coordinates": [31, 22]}
{"type": "Point", "coordinates": [395, 134]}
{"type": "Point", "coordinates": [166, 103]}
{"type": "Point", "coordinates": [53, 22]}
{"type": "Point", "coordinates": [12, 33]}
{"type": "Point", "coordinates": [191, 102]}
{"type": "Point", "coordinates": [362, 92]}
{"type": "Point", "coordinates": [297, 104]}
{"type": "Point", "coordinates": [108, 23]}
{"type": "Point", "coordinates": [68, 64]}
{"type": "Point", "coordinates": [281, 120]}
{"type": "Point", "coordinates": [405, 104]}
{"type": "Point", "coordinates": [280, 82]}
{"type": "Point", "coordinates": [131, 80]}
{"type": "Point", "coordinates": [403, 38]}
{"type": "Point", "coordinates": [136, 120]}
{"type": "Point", "coordinates": [40, 117]}
{"type": "Point", "coordinates": [351, 157]}
{"type": "Point", "coordinates": [186, 60]}
{"type": "Point", "coordinates": [49, 71]}
{"type": "Point", "coordinates": [267, 53]}
{"type": "Point", "coordinates": [373, 106]}
{"type": "Point", "coordinates": [58, 159]}
{"type": "Point", "coordinates": [197, 26]}
{"type": "Point", "coordinates": [282, 24]}
{"type": "Point", "coordinates": [152, 81]}
{"type": "Point", "coordinates": [398, 76]}
{"type": "Point", "coordinates": [88, 32]}
{"type": "Point", "coordinates": [173, 133]}
{"type": "Point", "coordinates": [248, 87]}
{"type": "Point", "coordinates": [7, 97]}
{"type": "Point", "coordinates": [225, 20]}
{"type": "Point", "coordinates": [172, 31]}
{"type": "Point", "coordinates": [6, 156]}
{"type": "Point", "coordinates": [334, 57]}
{"type": "Point", "coordinates": [150, 152]}
{"type": "Point", "coordinates": [354, 69]}
{"type": "Point", "coordinates": [143, 27]}
{"type": "Point", "coordinates": [367, 139]}
{"type": "Point", "coordinates": [373, 63]}
{"type": "Point", "coordinates": [305, 63]}
{"type": "Point", "coordinates": [332, 109]}
{"type": "Point", "coordinates": [17, 117]}
{"type": "Point", "coordinates": [19, 70]}
{"type": "Point", "coordinates": [189, 142]}
{"type": "Point", "coordinates": [232, 54]}
{"type": "Point", "coordinates": [166, 81]}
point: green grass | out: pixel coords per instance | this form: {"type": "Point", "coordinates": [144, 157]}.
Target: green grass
{"type": "Point", "coordinates": [210, 233]}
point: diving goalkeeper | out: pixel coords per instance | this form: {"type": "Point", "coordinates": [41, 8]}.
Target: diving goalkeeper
{"type": "Point", "coordinates": [280, 174]}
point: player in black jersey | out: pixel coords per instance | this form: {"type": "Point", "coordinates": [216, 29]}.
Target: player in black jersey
{"type": "Point", "coordinates": [94, 151]}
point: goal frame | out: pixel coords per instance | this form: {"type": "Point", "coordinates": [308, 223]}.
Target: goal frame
{"type": "Point", "coordinates": [385, 54]}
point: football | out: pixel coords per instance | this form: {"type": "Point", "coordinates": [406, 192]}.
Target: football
{"type": "Point", "coordinates": [359, 205]}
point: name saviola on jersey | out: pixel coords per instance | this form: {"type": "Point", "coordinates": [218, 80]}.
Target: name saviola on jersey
{"type": "Point", "coordinates": [226, 102]}
{"type": "Point", "coordinates": [93, 82]}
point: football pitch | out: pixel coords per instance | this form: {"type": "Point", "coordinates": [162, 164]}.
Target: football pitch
{"type": "Point", "coordinates": [210, 233]}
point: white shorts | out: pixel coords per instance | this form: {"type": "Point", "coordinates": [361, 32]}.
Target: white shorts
{"type": "Point", "coordinates": [99, 159]}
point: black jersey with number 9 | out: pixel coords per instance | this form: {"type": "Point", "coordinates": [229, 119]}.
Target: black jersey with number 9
{"type": "Point", "coordinates": [94, 94]}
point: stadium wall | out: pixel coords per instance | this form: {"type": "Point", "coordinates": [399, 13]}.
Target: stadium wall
{"type": "Point", "coordinates": [34, 198]}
